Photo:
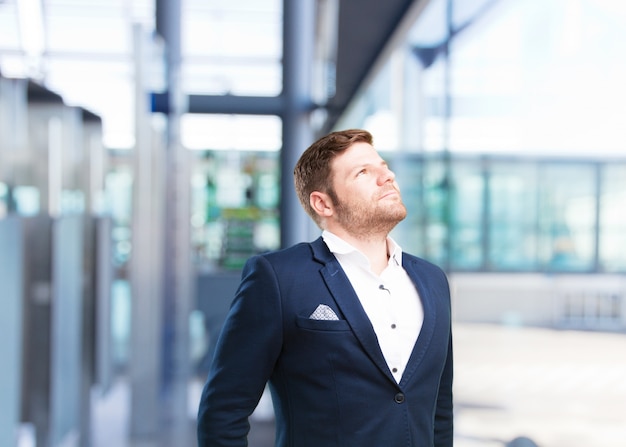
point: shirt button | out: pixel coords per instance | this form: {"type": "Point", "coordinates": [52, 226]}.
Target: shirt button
{"type": "Point", "coordinates": [394, 370]}
{"type": "Point", "coordinates": [399, 398]}
{"type": "Point", "coordinates": [393, 326]}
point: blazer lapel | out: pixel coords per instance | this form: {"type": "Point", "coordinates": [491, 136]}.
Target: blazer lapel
{"type": "Point", "coordinates": [428, 326]}
{"type": "Point", "coordinates": [349, 304]}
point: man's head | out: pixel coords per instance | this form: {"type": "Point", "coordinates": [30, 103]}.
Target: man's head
{"type": "Point", "coordinates": [313, 171]}
{"type": "Point", "coordinates": [347, 188]}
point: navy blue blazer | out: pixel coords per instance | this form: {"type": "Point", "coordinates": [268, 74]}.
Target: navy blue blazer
{"type": "Point", "coordinates": [330, 384]}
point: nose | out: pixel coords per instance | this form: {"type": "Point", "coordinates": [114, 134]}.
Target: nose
{"type": "Point", "coordinates": [386, 175]}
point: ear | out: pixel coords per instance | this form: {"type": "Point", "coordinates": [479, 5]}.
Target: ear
{"type": "Point", "coordinates": [321, 204]}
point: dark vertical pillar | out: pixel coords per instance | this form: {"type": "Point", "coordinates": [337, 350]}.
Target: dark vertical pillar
{"type": "Point", "coordinates": [144, 363]}
{"type": "Point", "coordinates": [298, 45]}
{"type": "Point", "coordinates": [447, 116]}
{"type": "Point", "coordinates": [177, 268]}
{"type": "Point", "coordinates": [11, 319]}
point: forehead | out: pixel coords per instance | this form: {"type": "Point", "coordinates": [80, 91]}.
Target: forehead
{"type": "Point", "coordinates": [358, 154]}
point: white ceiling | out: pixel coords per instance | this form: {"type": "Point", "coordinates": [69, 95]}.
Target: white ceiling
{"type": "Point", "coordinates": [85, 51]}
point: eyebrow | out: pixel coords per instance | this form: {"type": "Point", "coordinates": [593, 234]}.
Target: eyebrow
{"type": "Point", "coordinates": [365, 165]}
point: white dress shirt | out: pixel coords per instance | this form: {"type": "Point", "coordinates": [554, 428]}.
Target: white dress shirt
{"type": "Point", "coordinates": [390, 300]}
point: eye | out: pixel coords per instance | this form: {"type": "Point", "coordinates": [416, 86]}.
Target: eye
{"type": "Point", "coordinates": [361, 172]}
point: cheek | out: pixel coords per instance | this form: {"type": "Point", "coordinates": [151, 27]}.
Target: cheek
{"type": "Point", "coordinates": [357, 192]}
{"type": "Point", "coordinates": [345, 192]}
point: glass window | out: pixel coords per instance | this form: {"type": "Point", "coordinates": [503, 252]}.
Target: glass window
{"type": "Point", "coordinates": [424, 192]}
{"type": "Point", "coordinates": [4, 200]}
{"type": "Point", "coordinates": [119, 198]}
{"type": "Point", "coordinates": [466, 217]}
{"type": "Point", "coordinates": [235, 201]}
{"type": "Point", "coordinates": [435, 132]}
{"type": "Point", "coordinates": [516, 79]}
{"type": "Point", "coordinates": [567, 217]}
{"type": "Point", "coordinates": [409, 170]}
{"type": "Point", "coordinates": [437, 214]}
{"type": "Point", "coordinates": [512, 216]}
{"type": "Point", "coordinates": [613, 219]}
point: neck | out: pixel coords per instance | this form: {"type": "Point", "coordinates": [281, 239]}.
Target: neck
{"type": "Point", "coordinates": [374, 247]}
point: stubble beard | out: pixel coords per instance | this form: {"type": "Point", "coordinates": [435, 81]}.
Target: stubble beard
{"type": "Point", "coordinates": [364, 220]}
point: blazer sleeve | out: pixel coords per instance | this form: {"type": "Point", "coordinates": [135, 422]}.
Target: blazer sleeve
{"type": "Point", "coordinates": [444, 430]}
{"type": "Point", "coordinates": [246, 352]}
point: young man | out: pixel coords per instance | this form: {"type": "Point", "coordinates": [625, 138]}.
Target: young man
{"type": "Point", "coordinates": [353, 335]}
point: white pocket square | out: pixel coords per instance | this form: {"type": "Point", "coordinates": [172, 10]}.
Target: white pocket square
{"type": "Point", "coordinates": [323, 312]}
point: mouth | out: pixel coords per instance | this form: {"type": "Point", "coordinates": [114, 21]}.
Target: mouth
{"type": "Point", "coordinates": [389, 193]}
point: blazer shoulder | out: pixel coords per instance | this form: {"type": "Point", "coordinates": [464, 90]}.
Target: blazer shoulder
{"type": "Point", "coordinates": [420, 263]}
{"type": "Point", "coordinates": [300, 252]}
{"type": "Point", "coordinates": [425, 271]}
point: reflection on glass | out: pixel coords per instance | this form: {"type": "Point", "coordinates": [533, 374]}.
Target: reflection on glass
{"type": "Point", "coordinates": [613, 218]}
{"type": "Point", "coordinates": [512, 216]}
{"type": "Point", "coordinates": [27, 200]}
{"type": "Point", "coordinates": [466, 223]}
{"type": "Point", "coordinates": [235, 198]}
{"type": "Point", "coordinates": [119, 184]}
{"type": "Point", "coordinates": [567, 217]}
{"type": "Point", "coordinates": [4, 200]}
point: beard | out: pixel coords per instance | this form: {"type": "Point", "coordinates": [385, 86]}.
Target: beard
{"type": "Point", "coordinates": [368, 217]}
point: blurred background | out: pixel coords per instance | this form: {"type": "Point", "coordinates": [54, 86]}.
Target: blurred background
{"type": "Point", "coordinates": [147, 149]}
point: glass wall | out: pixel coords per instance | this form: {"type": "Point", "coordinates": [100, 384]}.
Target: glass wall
{"type": "Point", "coordinates": [234, 187]}
{"type": "Point", "coordinates": [235, 199]}
{"type": "Point", "coordinates": [502, 214]}
{"type": "Point", "coordinates": [567, 217]}
{"type": "Point", "coordinates": [504, 123]}
{"type": "Point", "coordinates": [514, 114]}
{"type": "Point", "coordinates": [512, 215]}
{"type": "Point", "coordinates": [612, 226]}
{"type": "Point", "coordinates": [534, 77]}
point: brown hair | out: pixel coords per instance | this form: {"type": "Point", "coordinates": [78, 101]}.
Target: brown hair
{"type": "Point", "coordinates": [312, 171]}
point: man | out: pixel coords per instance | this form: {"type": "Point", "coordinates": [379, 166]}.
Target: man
{"type": "Point", "coordinates": [353, 335]}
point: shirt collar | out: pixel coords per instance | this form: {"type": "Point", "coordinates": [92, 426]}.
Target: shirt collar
{"type": "Point", "coordinates": [340, 247]}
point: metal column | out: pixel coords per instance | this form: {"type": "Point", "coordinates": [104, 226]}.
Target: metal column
{"type": "Point", "coordinates": [145, 263]}
{"type": "Point", "coordinates": [177, 267]}
{"type": "Point", "coordinates": [12, 280]}
{"type": "Point", "coordinates": [298, 54]}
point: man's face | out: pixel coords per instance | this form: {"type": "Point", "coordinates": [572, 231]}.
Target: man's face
{"type": "Point", "coordinates": [364, 191]}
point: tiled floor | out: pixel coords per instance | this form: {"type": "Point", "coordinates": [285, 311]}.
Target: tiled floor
{"type": "Point", "coordinates": [556, 388]}
{"type": "Point", "coordinates": [110, 421]}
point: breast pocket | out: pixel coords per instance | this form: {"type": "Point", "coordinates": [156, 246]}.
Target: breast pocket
{"type": "Point", "coordinates": [322, 325]}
